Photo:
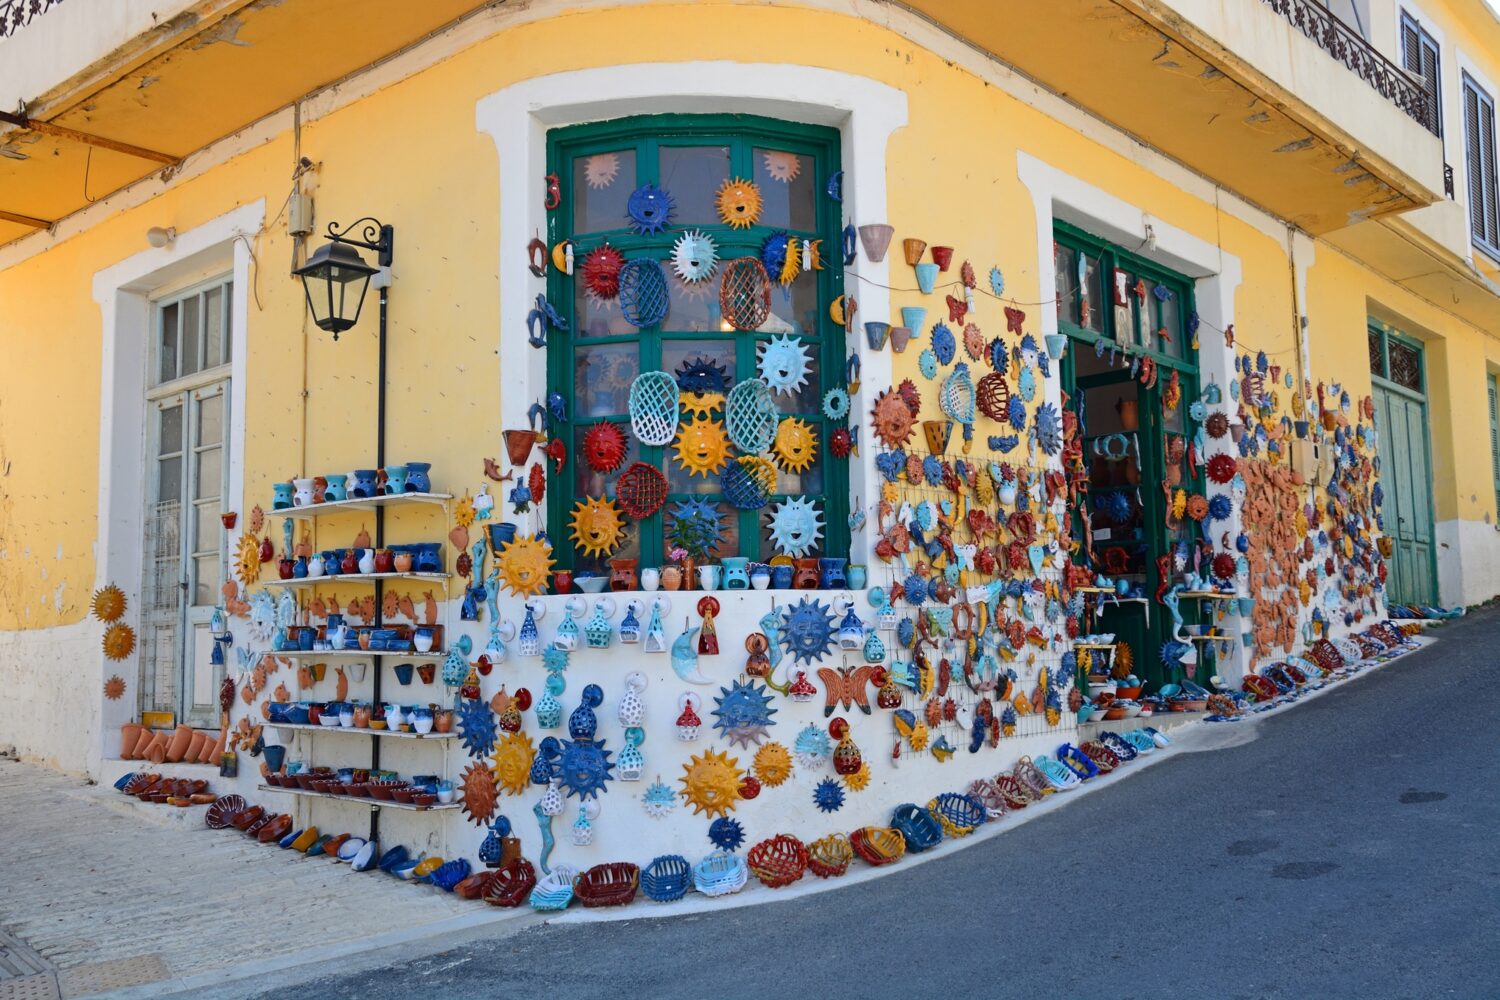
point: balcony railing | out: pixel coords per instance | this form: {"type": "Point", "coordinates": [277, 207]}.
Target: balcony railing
{"type": "Point", "coordinates": [17, 14]}
{"type": "Point", "coordinates": [1348, 47]}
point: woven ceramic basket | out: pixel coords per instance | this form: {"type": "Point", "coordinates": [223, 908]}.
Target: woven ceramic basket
{"type": "Point", "coordinates": [667, 878]}
{"type": "Point", "coordinates": [720, 874]}
{"type": "Point", "coordinates": [643, 293]}
{"type": "Point", "coordinates": [745, 294]}
{"type": "Point", "coordinates": [641, 490]}
{"type": "Point", "coordinates": [612, 884]}
{"type": "Point", "coordinates": [554, 891]}
{"type": "Point", "coordinates": [511, 884]}
{"type": "Point", "coordinates": [878, 845]}
{"type": "Point", "coordinates": [959, 815]}
{"type": "Point", "coordinates": [829, 857]}
{"type": "Point", "coordinates": [918, 827]}
{"type": "Point", "coordinates": [655, 408]}
{"type": "Point", "coordinates": [778, 861]}
{"type": "Point", "coordinates": [751, 417]}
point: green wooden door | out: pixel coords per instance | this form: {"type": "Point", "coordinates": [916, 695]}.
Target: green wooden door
{"type": "Point", "coordinates": [1401, 423]}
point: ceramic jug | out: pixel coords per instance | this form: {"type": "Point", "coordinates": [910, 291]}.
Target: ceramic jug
{"type": "Point", "coordinates": [650, 578]}
{"type": "Point", "coordinates": [367, 560]}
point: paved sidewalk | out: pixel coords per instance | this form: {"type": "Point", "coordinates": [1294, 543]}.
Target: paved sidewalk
{"type": "Point", "coordinates": [100, 895]}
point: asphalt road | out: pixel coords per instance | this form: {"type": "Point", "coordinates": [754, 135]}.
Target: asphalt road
{"type": "Point", "coordinates": [1343, 849]}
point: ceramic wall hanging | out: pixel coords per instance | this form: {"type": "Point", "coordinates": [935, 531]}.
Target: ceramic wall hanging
{"type": "Point", "coordinates": [893, 419]}
{"type": "Point", "coordinates": [604, 446]}
{"type": "Point", "coordinates": [601, 272]}
{"type": "Point", "coordinates": [739, 203]}
{"type": "Point", "coordinates": [745, 294]}
{"type": "Point", "coordinates": [711, 783]}
{"type": "Point", "coordinates": [641, 490]}
{"type": "Point", "coordinates": [743, 713]}
{"type": "Point", "coordinates": [654, 408]}
{"type": "Point", "coordinates": [695, 257]}
{"type": "Point", "coordinates": [751, 417]}
{"type": "Point", "coordinates": [701, 447]}
{"type": "Point", "coordinates": [649, 209]}
{"type": "Point", "coordinates": [784, 364]}
{"type": "Point", "coordinates": [876, 238]}
{"type": "Point", "coordinates": [525, 566]}
{"type": "Point", "coordinates": [795, 446]}
{"type": "Point", "coordinates": [807, 630]}
{"type": "Point", "coordinates": [597, 526]}
{"type": "Point", "coordinates": [796, 526]}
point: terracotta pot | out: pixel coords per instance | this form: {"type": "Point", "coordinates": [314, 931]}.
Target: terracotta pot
{"type": "Point", "coordinates": [403, 562]}
{"type": "Point", "coordinates": [913, 250]}
{"type": "Point", "coordinates": [900, 337]}
{"type": "Point", "coordinates": [177, 746]}
{"type": "Point", "coordinates": [214, 751]}
{"type": "Point", "coordinates": [130, 735]}
{"type": "Point", "coordinates": [156, 753]}
{"type": "Point", "coordinates": [518, 445]}
{"type": "Point", "coordinates": [427, 671]}
{"type": "Point", "coordinates": [876, 237]}
{"type": "Point", "coordinates": [671, 578]}
{"type": "Point", "coordinates": [1130, 414]}
{"type": "Point", "coordinates": [942, 257]}
{"type": "Point", "coordinates": [195, 749]}
{"type": "Point", "coordinates": [806, 576]}
{"type": "Point", "coordinates": [142, 744]}
{"type": "Point", "coordinates": [442, 720]}
{"type": "Point", "coordinates": [361, 716]}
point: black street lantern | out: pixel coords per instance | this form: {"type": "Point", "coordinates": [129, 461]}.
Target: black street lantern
{"type": "Point", "coordinates": [336, 277]}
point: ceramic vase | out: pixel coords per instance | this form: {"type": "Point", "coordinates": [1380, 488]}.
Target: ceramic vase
{"type": "Point", "coordinates": [299, 569]}
{"type": "Point", "coordinates": [442, 720]}
{"type": "Point", "coordinates": [385, 561]}
{"type": "Point", "coordinates": [708, 577]}
{"type": "Point", "coordinates": [831, 574]}
{"type": "Point", "coordinates": [650, 578]}
{"type": "Point", "coordinates": [781, 576]}
{"type": "Point", "coordinates": [422, 639]}
{"type": "Point", "coordinates": [315, 566]}
{"type": "Point", "coordinates": [671, 578]}
{"type": "Point", "coordinates": [367, 561]}
{"type": "Point", "coordinates": [858, 576]}
{"type": "Point", "coordinates": [806, 575]}
{"type": "Point", "coordinates": [736, 572]}
{"type": "Point", "coordinates": [402, 561]}
{"type": "Point", "coordinates": [760, 576]}
{"type": "Point", "coordinates": [421, 720]}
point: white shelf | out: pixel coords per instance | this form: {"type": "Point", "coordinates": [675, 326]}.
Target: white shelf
{"type": "Point", "coordinates": [363, 503]}
{"type": "Point", "coordinates": [359, 799]}
{"type": "Point", "coordinates": [356, 731]}
{"type": "Point", "coordinates": [315, 654]}
{"type": "Point", "coordinates": [307, 581]}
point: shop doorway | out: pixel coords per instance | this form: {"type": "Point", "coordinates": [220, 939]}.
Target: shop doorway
{"type": "Point", "coordinates": [187, 475]}
{"type": "Point", "coordinates": [1123, 316]}
{"type": "Point", "coordinates": [1399, 378]}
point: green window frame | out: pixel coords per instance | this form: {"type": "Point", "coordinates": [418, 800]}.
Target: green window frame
{"type": "Point", "coordinates": [663, 150]}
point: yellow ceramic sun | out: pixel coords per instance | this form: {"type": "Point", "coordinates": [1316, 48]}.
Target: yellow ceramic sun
{"type": "Point", "coordinates": [247, 563]}
{"type": "Point", "coordinates": [859, 780]}
{"type": "Point", "coordinates": [739, 203]}
{"type": "Point", "coordinates": [701, 404]}
{"type": "Point", "coordinates": [711, 783]}
{"type": "Point", "coordinates": [795, 446]}
{"type": "Point", "coordinates": [511, 763]}
{"type": "Point", "coordinates": [918, 736]}
{"type": "Point", "coordinates": [463, 510]}
{"type": "Point", "coordinates": [525, 566]}
{"type": "Point", "coordinates": [109, 603]}
{"type": "Point", "coordinates": [597, 526]}
{"type": "Point", "coordinates": [773, 764]}
{"type": "Point", "coordinates": [702, 446]}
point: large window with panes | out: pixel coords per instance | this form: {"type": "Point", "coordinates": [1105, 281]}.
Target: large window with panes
{"type": "Point", "coordinates": [593, 362]}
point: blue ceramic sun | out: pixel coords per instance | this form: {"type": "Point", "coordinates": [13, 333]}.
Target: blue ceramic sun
{"type": "Point", "coordinates": [1049, 428]}
{"type": "Point", "coordinates": [784, 364]}
{"type": "Point", "coordinates": [807, 631]}
{"type": "Point", "coordinates": [927, 363]}
{"type": "Point", "coordinates": [836, 404]}
{"type": "Point", "coordinates": [477, 723]}
{"type": "Point", "coordinates": [1220, 507]}
{"type": "Point", "coordinates": [584, 767]}
{"type": "Point", "coordinates": [795, 526]}
{"type": "Point", "coordinates": [997, 281]}
{"type": "Point", "coordinates": [944, 346]}
{"type": "Point", "coordinates": [744, 713]}
{"type": "Point", "coordinates": [726, 834]}
{"type": "Point", "coordinates": [702, 375]}
{"type": "Point", "coordinates": [773, 253]}
{"type": "Point", "coordinates": [650, 209]}
{"type": "Point", "coordinates": [812, 746]}
{"type": "Point", "coordinates": [1017, 413]}
{"type": "Point", "coordinates": [828, 796]}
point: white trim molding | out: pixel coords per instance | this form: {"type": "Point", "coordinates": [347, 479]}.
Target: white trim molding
{"type": "Point", "coordinates": [123, 292]}
{"type": "Point", "coordinates": [865, 112]}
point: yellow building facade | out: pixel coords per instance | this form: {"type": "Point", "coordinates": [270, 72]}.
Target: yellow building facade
{"type": "Point", "coordinates": [1268, 201]}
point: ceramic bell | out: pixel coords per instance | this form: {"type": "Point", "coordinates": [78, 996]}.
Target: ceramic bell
{"type": "Point", "coordinates": [688, 722]}
{"type": "Point", "coordinates": [630, 626]}
{"type": "Point", "coordinates": [567, 631]}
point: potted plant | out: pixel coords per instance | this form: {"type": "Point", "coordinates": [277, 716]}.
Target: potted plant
{"type": "Point", "coordinates": [691, 537]}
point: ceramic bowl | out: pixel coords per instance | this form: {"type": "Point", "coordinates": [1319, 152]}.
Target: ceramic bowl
{"type": "Point", "coordinates": [422, 800]}
{"type": "Point", "coordinates": [401, 794]}
{"type": "Point", "coordinates": [591, 584]}
{"type": "Point", "coordinates": [328, 720]}
{"type": "Point", "coordinates": [377, 724]}
{"type": "Point", "coordinates": [380, 790]}
{"type": "Point", "coordinates": [349, 848]}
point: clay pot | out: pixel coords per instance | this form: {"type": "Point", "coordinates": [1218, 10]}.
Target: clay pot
{"type": "Point", "coordinates": [156, 752]}
{"type": "Point", "coordinates": [806, 574]}
{"type": "Point", "coordinates": [442, 720]}
{"type": "Point", "coordinates": [130, 735]}
{"type": "Point", "coordinates": [195, 748]}
{"type": "Point", "coordinates": [215, 750]}
{"type": "Point", "coordinates": [913, 249]}
{"type": "Point", "coordinates": [427, 671]}
{"type": "Point", "coordinates": [900, 337]}
{"type": "Point", "coordinates": [361, 716]}
{"type": "Point", "coordinates": [1130, 414]}
{"type": "Point", "coordinates": [876, 238]}
{"type": "Point", "coordinates": [671, 578]}
{"type": "Point", "coordinates": [403, 562]}
{"type": "Point", "coordinates": [518, 445]}
{"type": "Point", "coordinates": [937, 432]}
{"type": "Point", "coordinates": [942, 257]}
{"type": "Point", "coordinates": [142, 743]}
{"type": "Point", "coordinates": [385, 561]}
{"type": "Point", "coordinates": [177, 746]}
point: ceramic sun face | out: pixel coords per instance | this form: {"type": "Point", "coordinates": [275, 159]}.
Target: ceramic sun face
{"type": "Point", "coordinates": [795, 445]}
{"type": "Point", "coordinates": [695, 257]}
{"type": "Point", "coordinates": [796, 527]}
{"type": "Point", "coordinates": [711, 783]}
{"type": "Point", "coordinates": [525, 565]}
{"type": "Point", "coordinates": [702, 447]}
{"type": "Point", "coordinates": [597, 526]}
{"type": "Point", "coordinates": [649, 209]}
{"type": "Point", "coordinates": [739, 203]}
{"type": "Point", "coordinates": [784, 363]}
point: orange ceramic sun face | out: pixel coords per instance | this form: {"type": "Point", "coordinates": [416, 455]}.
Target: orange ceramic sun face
{"type": "Point", "coordinates": [795, 445]}
{"type": "Point", "coordinates": [597, 526]}
{"type": "Point", "coordinates": [739, 203]}
{"type": "Point", "coordinates": [702, 447]}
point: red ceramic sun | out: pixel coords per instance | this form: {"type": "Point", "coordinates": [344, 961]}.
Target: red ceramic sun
{"type": "Point", "coordinates": [601, 272]}
{"type": "Point", "coordinates": [604, 447]}
{"type": "Point", "coordinates": [1221, 468]}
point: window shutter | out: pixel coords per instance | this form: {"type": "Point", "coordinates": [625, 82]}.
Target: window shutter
{"type": "Point", "coordinates": [1479, 129]}
{"type": "Point", "coordinates": [1472, 160]}
{"type": "Point", "coordinates": [1495, 441]}
{"type": "Point", "coordinates": [1487, 165]}
{"type": "Point", "coordinates": [1419, 54]}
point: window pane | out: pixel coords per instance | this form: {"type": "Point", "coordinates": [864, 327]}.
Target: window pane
{"type": "Point", "coordinates": [228, 326]}
{"type": "Point", "coordinates": [191, 331]}
{"type": "Point", "coordinates": [1406, 365]}
{"type": "Point", "coordinates": [213, 322]}
{"type": "Point", "coordinates": [168, 349]}
{"type": "Point", "coordinates": [170, 439]}
{"type": "Point", "coordinates": [601, 186]}
{"type": "Point", "coordinates": [597, 317]}
{"type": "Point", "coordinates": [788, 186]}
{"type": "Point", "coordinates": [1065, 286]}
{"type": "Point", "coordinates": [169, 479]}
{"type": "Point", "coordinates": [210, 474]}
{"type": "Point", "coordinates": [206, 527]}
{"type": "Point", "coordinates": [794, 308]}
{"type": "Point", "coordinates": [692, 175]}
{"type": "Point", "coordinates": [601, 379]}
{"type": "Point", "coordinates": [206, 579]}
{"type": "Point", "coordinates": [211, 420]}
{"type": "Point", "coordinates": [1091, 281]}
{"type": "Point", "coordinates": [677, 354]}
{"type": "Point", "coordinates": [1377, 355]}
{"type": "Point", "coordinates": [694, 307]}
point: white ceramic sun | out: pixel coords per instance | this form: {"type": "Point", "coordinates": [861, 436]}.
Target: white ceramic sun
{"type": "Point", "coordinates": [695, 256]}
{"type": "Point", "coordinates": [796, 527]}
{"type": "Point", "coordinates": [784, 364]}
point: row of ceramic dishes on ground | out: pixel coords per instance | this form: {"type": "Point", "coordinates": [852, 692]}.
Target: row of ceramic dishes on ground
{"type": "Point", "coordinates": [420, 790]}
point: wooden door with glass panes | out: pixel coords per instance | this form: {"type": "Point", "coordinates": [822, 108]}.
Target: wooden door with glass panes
{"type": "Point", "coordinates": [187, 476]}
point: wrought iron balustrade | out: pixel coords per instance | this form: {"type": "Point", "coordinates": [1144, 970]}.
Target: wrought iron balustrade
{"type": "Point", "coordinates": [17, 14]}
{"type": "Point", "coordinates": [1350, 48]}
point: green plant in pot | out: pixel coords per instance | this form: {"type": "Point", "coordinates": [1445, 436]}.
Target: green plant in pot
{"type": "Point", "coordinates": [693, 532]}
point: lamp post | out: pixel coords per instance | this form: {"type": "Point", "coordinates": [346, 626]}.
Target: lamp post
{"type": "Point", "coordinates": [335, 279]}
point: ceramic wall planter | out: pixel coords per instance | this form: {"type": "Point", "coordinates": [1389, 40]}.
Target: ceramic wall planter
{"type": "Point", "coordinates": [831, 574]}
{"type": "Point", "coordinates": [942, 257]}
{"type": "Point", "coordinates": [913, 249]}
{"type": "Point", "coordinates": [876, 237]}
{"type": "Point", "coordinates": [404, 672]}
{"type": "Point", "coordinates": [781, 575]}
{"type": "Point", "coordinates": [926, 277]}
{"type": "Point", "coordinates": [914, 318]}
{"type": "Point", "coordinates": [900, 337]}
{"type": "Point", "coordinates": [736, 572]}
{"type": "Point", "coordinates": [1057, 345]}
{"type": "Point", "coordinates": [876, 334]}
